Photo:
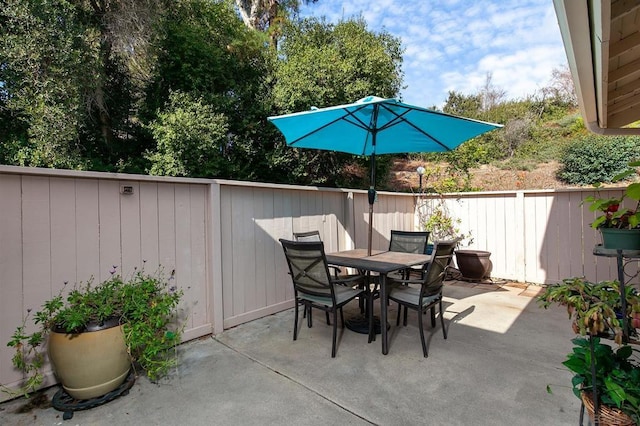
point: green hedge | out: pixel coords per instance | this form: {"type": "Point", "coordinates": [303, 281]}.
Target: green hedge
{"type": "Point", "coordinates": [595, 159]}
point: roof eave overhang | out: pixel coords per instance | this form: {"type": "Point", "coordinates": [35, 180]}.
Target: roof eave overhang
{"type": "Point", "coordinates": [584, 28]}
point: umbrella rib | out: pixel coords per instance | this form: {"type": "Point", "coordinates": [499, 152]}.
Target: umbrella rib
{"type": "Point", "coordinates": [400, 118]}
{"type": "Point", "coordinates": [348, 113]}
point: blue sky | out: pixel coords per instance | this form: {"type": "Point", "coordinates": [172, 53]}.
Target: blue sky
{"type": "Point", "coordinates": [453, 44]}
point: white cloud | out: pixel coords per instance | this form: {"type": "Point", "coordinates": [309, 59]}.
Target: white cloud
{"type": "Point", "coordinates": [453, 44]}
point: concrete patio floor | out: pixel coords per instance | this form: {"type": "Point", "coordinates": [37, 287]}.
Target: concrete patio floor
{"type": "Point", "coordinates": [501, 353]}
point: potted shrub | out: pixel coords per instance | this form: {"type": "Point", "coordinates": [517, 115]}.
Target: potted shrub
{"type": "Point", "coordinates": [618, 224]}
{"type": "Point", "coordinates": [97, 333]}
{"type": "Point", "coordinates": [616, 380]}
{"type": "Point", "coordinates": [436, 218]}
{"type": "Point", "coordinates": [595, 309]}
{"type": "Point", "coordinates": [442, 226]}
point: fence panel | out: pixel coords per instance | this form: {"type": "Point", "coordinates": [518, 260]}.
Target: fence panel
{"type": "Point", "coordinates": [221, 237]}
{"type": "Point", "coordinates": [534, 236]}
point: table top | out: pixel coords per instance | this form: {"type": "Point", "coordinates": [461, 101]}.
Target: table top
{"type": "Point", "coordinates": [379, 261]}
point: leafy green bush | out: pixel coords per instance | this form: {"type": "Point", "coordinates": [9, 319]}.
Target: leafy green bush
{"type": "Point", "coordinates": [597, 159]}
{"type": "Point", "coordinates": [191, 139]}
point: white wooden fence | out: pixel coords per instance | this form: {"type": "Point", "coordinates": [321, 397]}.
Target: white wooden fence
{"type": "Point", "coordinates": [221, 237]}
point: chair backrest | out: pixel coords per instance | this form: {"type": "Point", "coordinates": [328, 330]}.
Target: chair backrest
{"type": "Point", "coordinates": [409, 241]}
{"type": "Point", "coordinates": [437, 269]}
{"type": "Point", "coordinates": [307, 236]}
{"type": "Point", "coordinates": [308, 267]}
{"type": "Point", "coordinates": [449, 243]}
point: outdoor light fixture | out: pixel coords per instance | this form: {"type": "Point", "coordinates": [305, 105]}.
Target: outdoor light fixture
{"type": "Point", "coordinates": [420, 171]}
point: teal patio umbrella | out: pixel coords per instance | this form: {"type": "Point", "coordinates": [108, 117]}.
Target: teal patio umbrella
{"type": "Point", "coordinates": [375, 125]}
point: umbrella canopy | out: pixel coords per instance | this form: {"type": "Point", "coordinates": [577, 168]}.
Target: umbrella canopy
{"type": "Point", "coordinates": [375, 125]}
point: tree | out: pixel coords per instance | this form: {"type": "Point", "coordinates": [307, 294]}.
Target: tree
{"type": "Point", "coordinates": [206, 50]}
{"type": "Point", "coordinates": [490, 95]}
{"type": "Point", "coordinates": [322, 64]}
{"type": "Point", "coordinates": [41, 74]}
{"type": "Point", "coordinates": [72, 73]}
{"type": "Point", "coordinates": [190, 138]}
{"type": "Point", "coordinates": [463, 105]}
{"type": "Point", "coordinates": [268, 15]}
{"type": "Point", "coordinates": [561, 87]}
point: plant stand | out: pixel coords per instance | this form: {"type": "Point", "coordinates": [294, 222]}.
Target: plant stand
{"type": "Point", "coordinates": [62, 401]}
{"type": "Point", "coordinates": [620, 256]}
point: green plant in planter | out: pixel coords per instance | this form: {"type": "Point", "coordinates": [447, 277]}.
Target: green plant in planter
{"type": "Point", "coordinates": [595, 310]}
{"type": "Point", "coordinates": [145, 305]}
{"type": "Point", "coordinates": [441, 224]}
{"type": "Point", "coordinates": [616, 379]}
{"type": "Point", "coordinates": [613, 215]}
{"type": "Point", "coordinates": [594, 307]}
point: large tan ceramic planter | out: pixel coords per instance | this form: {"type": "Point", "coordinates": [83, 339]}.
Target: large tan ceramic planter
{"type": "Point", "coordinates": [89, 364]}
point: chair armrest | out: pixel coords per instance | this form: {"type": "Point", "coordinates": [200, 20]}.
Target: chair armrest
{"type": "Point", "coordinates": [406, 281]}
{"type": "Point", "coordinates": [336, 270]}
{"type": "Point", "coordinates": [348, 280]}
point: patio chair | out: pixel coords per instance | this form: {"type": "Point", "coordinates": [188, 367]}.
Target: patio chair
{"type": "Point", "coordinates": [409, 242]}
{"type": "Point", "coordinates": [425, 293]}
{"type": "Point", "coordinates": [314, 236]}
{"type": "Point", "coordinates": [315, 287]}
{"type": "Point", "coordinates": [337, 272]}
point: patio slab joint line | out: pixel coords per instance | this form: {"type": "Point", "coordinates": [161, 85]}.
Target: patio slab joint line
{"type": "Point", "coordinates": [292, 380]}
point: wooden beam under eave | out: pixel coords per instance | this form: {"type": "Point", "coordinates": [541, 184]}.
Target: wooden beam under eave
{"type": "Point", "coordinates": [622, 91]}
{"type": "Point", "coordinates": [616, 106]}
{"type": "Point", "coordinates": [625, 71]}
{"type": "Point", "coordinates": [624, 117]}
{"type": "Point", "coordinates": [624, 45]}
{"type": "Point", "coordinates": [621, 8]}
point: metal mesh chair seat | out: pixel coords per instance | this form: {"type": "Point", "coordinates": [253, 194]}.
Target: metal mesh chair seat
{"type": "Point", "coordinates": [342, 295]}
{"type": "Point", "coordinates": [410, 294]}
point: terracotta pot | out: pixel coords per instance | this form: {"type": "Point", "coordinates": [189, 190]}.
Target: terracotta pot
{"type": "Point", "coordinates": [92, 363]}
{"type": "Point", "coordinates": [474, 264]}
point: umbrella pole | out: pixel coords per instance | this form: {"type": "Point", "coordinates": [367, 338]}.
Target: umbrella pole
{"type": "Point", "coordinates": [372, 199]}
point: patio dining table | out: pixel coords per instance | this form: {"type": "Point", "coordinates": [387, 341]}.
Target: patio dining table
{"type": "Point", "coordinates": [382, 262]}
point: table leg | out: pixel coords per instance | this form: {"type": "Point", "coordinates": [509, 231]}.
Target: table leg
{"type": "Point", "coordinates": [383, 313]}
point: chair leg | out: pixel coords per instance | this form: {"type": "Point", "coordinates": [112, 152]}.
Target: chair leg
{"type": "Point", "coordinates": [398, 317]}
{"type": "Point", "coordinates": [372, 331]}
{"type": "Point", "coordinates": [327, 315]}
{"type": "Point", "coordinates": [309, 316]}
{"type": "Point", "coordinates": [335, 332]}
{"type": "Point", "coordinates": [421, 327]}
{"type": "Point", "coordinates": [433, 316]}
{"type": "Point", "coordinates": [406, 312]}
{"type": "Point", "coordinates": [295, 322]}
{"type": "Point", "coordinates": [444, 330]}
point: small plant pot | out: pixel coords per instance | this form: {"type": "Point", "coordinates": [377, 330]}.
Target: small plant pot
{"type": "Point", "coordinates": [474, 264]}
{"type": "Point", "coordinates": [92, 363]}
{"type": "Point", "coordinates": [607, 416]}
{"type": "Point", "coordinates": [623, 239]}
